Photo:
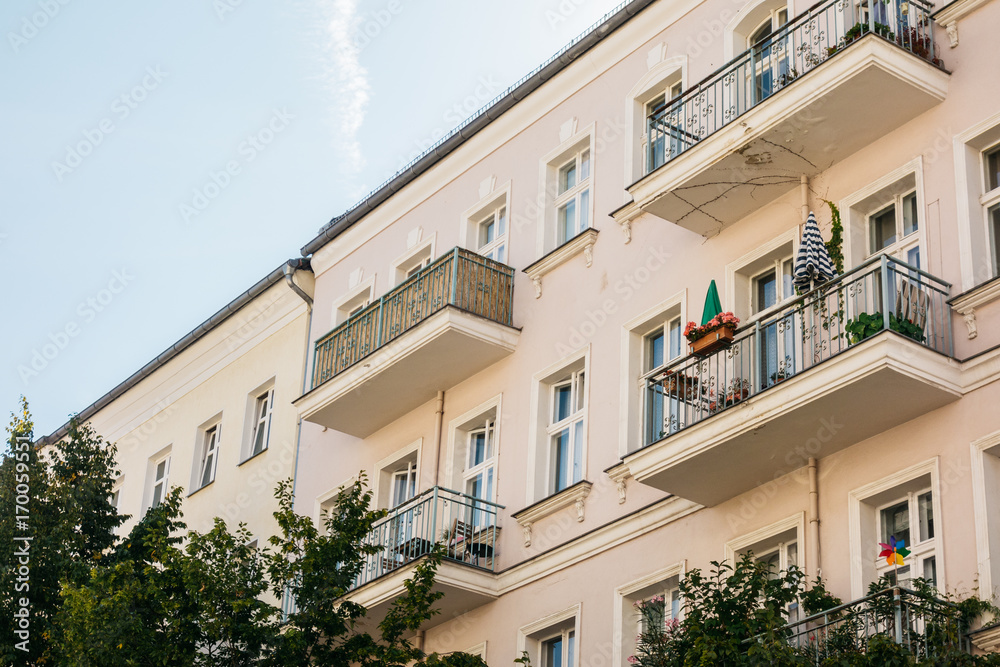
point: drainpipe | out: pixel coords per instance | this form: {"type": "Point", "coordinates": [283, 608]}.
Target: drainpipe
{"type": "Point", "coordinates": [804, 181]}
{"type": "Point", "coordinates": [289, 278]}
{"type": "Point", "coordinates": [813, 529]}
{"type": "Point", "coordinates": [420, 640]}
{"type": "Point", "coordinates": [438, 431]}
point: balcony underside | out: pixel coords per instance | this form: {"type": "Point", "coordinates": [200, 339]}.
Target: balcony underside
{"type": "Point", "coordinates": [875, 386]}
{"type": "Point", "coordinates": [827, 114]}
{"type": "Point", "coordinates": [443, 350]}
{"type": "Point", "coordinates": [465, 588]}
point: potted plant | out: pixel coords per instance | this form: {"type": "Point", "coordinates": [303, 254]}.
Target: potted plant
{"type": "Point", "coordinates": [736, 392]}
{"type": "Point", "coordinates": [869, 324]}
{"type": "Point", "coordinates": [717, 334]}
{"type": "Point", "coordinates": [676, 383]}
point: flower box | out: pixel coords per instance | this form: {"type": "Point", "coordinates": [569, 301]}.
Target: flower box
{"type": "Point", "coordinates": [719, 339]}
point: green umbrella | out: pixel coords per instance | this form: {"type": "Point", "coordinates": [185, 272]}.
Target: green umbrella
{"type": "Point", "coordinates": [712, 304]}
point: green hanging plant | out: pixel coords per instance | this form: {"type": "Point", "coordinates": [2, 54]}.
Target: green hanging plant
{"type": "Point", "coordinates": [835, 246]}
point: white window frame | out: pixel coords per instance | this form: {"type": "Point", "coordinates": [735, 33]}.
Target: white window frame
{"type": "Point", "coordinates": [627, 624]}
{"type": "Point", "coordinates": [921, 549]}
{"type": "Point", "coordinates": [777, 268]}
{"type": "Point", "coordinates": [155, 481]}
{"type": "Point", "coordinates": [901, 247]}
{"type": "Point", "coordinates": [392, 464]}
{"type": "Point", "coordinates": [421, 255]}
{"type": "Point", "coordinates": [531, 636]}
{"type": "Point", "coordinates": [355, 300]}
{"type": "Point", "coordinates": [261, 424]}
{"type": "Point", "coordinates": [208, 454]}
{"type": "Point", "coordinates": [991, 200]}
{"type": "Point", "coordinates": [777, 536]}
{"type": "Point", "coordinates": [663, 75]}
{"type": "Point", "coordinates": [540, 473]}
{"type": "Point", "coordinates": [568, 638]}
{"type": "Point", "coordinates": [635, 358]}
{"type": "Point", "coordinates": [408, 474]}
{"type": "Point", "coordinates": [575, 194]}
{"type": "Point", "coordinates": [748, 20]}
{"type": "Point", "coordinates": [456, 471]}
{"type": "Point", "coordinates": [487, 466]}
{"type": "Point", "coordinates": [116, 493]}
{"type": "Point", "coordinates": [986, 506]}
{"type": "Point", "coordinates": [577, 384]}
{"type": "Point", "coordinates": [740, 274]}
{"type": "Point", "coordinates": [974, 201]}
{"type": "Point", "coordinates": [550, 196]}
{"type": "Point", "coordinates": [471, 220]}
{"type": "Point", "coordinates": [864, 520]}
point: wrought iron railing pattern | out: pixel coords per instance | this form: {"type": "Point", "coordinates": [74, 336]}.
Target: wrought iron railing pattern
{"type": "Point", "coordinates": [460, 278]}
{"type": "Point", "coordinates": [923, 625]}
{"type": "Point", "coordinates": [465, 527]}
{"type": "Point", "coordinates": [881, 294]}
{"type": "Point", "coordinates": [752, 77]}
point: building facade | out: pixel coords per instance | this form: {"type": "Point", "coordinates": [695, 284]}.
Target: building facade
{"type": "Point", "coordinates": [497, 339]}
{"type": "Point", "coordinates": [213, 414]}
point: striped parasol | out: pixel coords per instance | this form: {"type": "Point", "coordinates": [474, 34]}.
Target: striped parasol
{"type": "Point", "coordinates": [812, 265]}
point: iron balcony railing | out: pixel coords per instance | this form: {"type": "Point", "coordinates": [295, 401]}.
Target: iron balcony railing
{"type": "Point", "coordinates": [460, 278]}
{"type": "Point", "coordinates": [807, 41]}
{"type": "Point", "coordinates": [923, 625]}
{"type": "Point", "coordinates": [881, 294]}
{"type": "Point", "coordinates": [466, 528]}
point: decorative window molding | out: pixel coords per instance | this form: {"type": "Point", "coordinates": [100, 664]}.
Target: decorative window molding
{"type": "Point", "coordinates": [747, 20]}
{"type": "Point", "coordinates": [208, 439]}
{"type": "Point", "coordinates": [625, 615]}
{"type": "Point", "coordinates": [415, 258]}
{"type": "Point", "coordinates": [582, 243]}
{"type": "Point", "coordinates": [665, 76]}
{"type": "Point", "coordinates": [479, 650]}
{"type": "Point", "coordinates": [949, 16]}
{"type": "Point", "coordinates": [359, 296]}
{"type": "Point", "coordinates": [542, 410]}
{"type": "Point", "coordinates": [574, 495]}
{"type": "Point", "coordinates": [966, 304]}
{"type": "Point", "coordinates": [564, 178]}
{"type": "Point", "coordinates": [864, 504]}
{"type": "Point", "coordinates": [257, 421]}
{"type": "Point", "coordinates": [530, 637]}
{"type": "Point", "coordinates": [391, 468]}
{"type": "Point", "coordinates": [860, 207]}
{"type": "Point", "coordinates": [741, 272]}
{"type": "Point", "coordinates": [977, 200]}
{"type": "Point", "coordinates": [620, 474]}
{"type": "Point", "coordinates": [485, 227]}
{"type": "Point", "coordinates": [325, 502]}
{"type": "Point", "coordinates": [460, 431]}
{"type": "Point", "coordinates": [986, 508]}
{"type": "Point", "coordinates": [636, 362]}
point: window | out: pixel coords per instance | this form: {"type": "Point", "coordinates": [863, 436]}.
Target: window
{"type": "Point", "coordinates": [209, 455]}
{"type": "Point", "coordinates": [663, 344]}
{"type": "Point", "coordinates": [354, 302]}
{"type": "Point", "coordinates": [664, 144]}
{"type": "Point", "coordinates": [492, 235]}
{"type": "Point", "coordinates": [772, 286]}
{"type": "Point", "coordinates": [911, 519]}
{"type": "Point", "coordinates": [116, 494]}
{"type": "Point", "coordinates": [161, 480]}
{"type": "Point", "coordinates": [566, 431]}
{"type": "Point", "coordinates": [892, 229]}
{"type": "Point", "coordinates": [404, 483]}
{"type": "Point", "coordinates": [777, 547]}
{"type": "Point", "coordinates": [660, 593]}
{"type": "Point", "coordinates": [977, 180]}
{"type": "Point", "coordinates": [412, 261]}
{"type": "Point", "coordinates": [263, 406]}
{"type": "Point", "coordinates": [396, 481]}
{"type": "Point", "coordinates": [559, 651]}
{"type": "Point", "coordinates": [573, 197]}
{"type": "Point", "coordinates": [480, 464]}
{"type": "Point", "coordinates": [991, 202]}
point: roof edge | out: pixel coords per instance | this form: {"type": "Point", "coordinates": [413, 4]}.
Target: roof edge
{"type": "Point", "coordinates": [187, 341]}
{"type": "Point", "coordinates": [471, 126]}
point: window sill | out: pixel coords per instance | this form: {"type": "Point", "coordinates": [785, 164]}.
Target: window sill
{"type": "Point", "coordinates": [965, 304]}
{"type": "Point", "coordinates": [251, 458]}
{"type": "Point", "coordinates": [573, 495]}
{"type": "Point", "coordinates": [203, 486]}
{"type": "Point", "coordinates": [581, 243]}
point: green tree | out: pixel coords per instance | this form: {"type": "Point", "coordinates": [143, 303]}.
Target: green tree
{"type": "Point", "coordinates": [68, 517]}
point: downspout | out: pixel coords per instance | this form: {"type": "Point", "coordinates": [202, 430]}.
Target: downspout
{"type": "Point", "coordinates": [420, 640]}
{"type": "Point", "coordinates": [813, 529]}
{"type": "Point", "coordinates": [804, 187]}
{"type": "Point", "coordinates": [438, 432]}
{"type": "Point", "coordinates": [289, 278]}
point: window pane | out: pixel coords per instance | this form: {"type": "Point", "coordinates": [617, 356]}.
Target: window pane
{"type": "Point", "coordinates": [474, 487]}
{"type": "Point", "coordinates": [675, 603]}
{"type": "Point", "coordinates": [882, 229]}
{"type": "Point", "coordinates": [487, 232]}
{"type": "Point", "coordinates": [896, 521]}
{"type": "Point", "coordinates": [580, 382]}
{"type": "Point", "coordinates": [913, 257]}
{"type": "Point", "coordinates": [767, 293]}
{"type": "Point", "coordinates": [994, 223]}
{"type": "Point", "coordinates": [563, 403]}
{"type": "Point", "coordinates": [567, 177]}
{"type": "Point", "coordinates": [160, 467]}
{"type": "Point", "coordinates": [787, 282]}
{"type": "Point", "coordinates": [477, 448]}
{"type": "Point", "coordinates": [584, 211]}
{"type": "Point", "coordinates": [567, 221]}
{"type": "Point", "coordinates": [584, 166]}
{"type": "Point", "coordinates": [570, 649]}
{"type": "Point", "coordinates": [930, 569]}
{"type": "Point", "coordinates": [993, 169]}
{"type": "Point", "coordinates": [654, 351]}
{"type": "Point", "coordinates": [552, 653]}
{"type": "Point", "coordinates": [675, 338]}
{"type": "Point", "coordinates": [910, 222]}
{"type": "Point", "coordinates": [560, 456]}
{"type": "Point", "coordinates": [157, 494]}
{"type": "Point", "coordinates": [577, 451]}
{"type": "Point", "coordinates": [655, 104]}
{"type": "Point", "coordinates": [925, 508]}
{"type": "Point", "coordinates": [793, 554]}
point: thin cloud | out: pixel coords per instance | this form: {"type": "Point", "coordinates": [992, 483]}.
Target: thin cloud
{"type": "Point", "coordinates": [347, 79]}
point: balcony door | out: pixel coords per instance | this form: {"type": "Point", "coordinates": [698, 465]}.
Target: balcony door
{"type": "Point", "coordinates": [777, 344]}
{"type": "Point", "coordinates": [768, 56]}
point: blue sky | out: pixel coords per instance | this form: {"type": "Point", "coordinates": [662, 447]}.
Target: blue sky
{"type": "Point", "coordinates": [159, 158]}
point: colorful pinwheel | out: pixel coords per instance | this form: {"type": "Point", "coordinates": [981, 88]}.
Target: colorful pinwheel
{"type": "Point", "coordinates": [894, 552]}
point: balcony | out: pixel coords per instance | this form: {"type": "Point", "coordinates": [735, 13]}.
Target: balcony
{"type": "Point", "coordinates": [829, 83]}
{"type": "Point", "coordinates": [851, 359]}
{"type": "Point", "coordinates": [466, 528]}
{"type": "Point", "coordinates": [443, 325]}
